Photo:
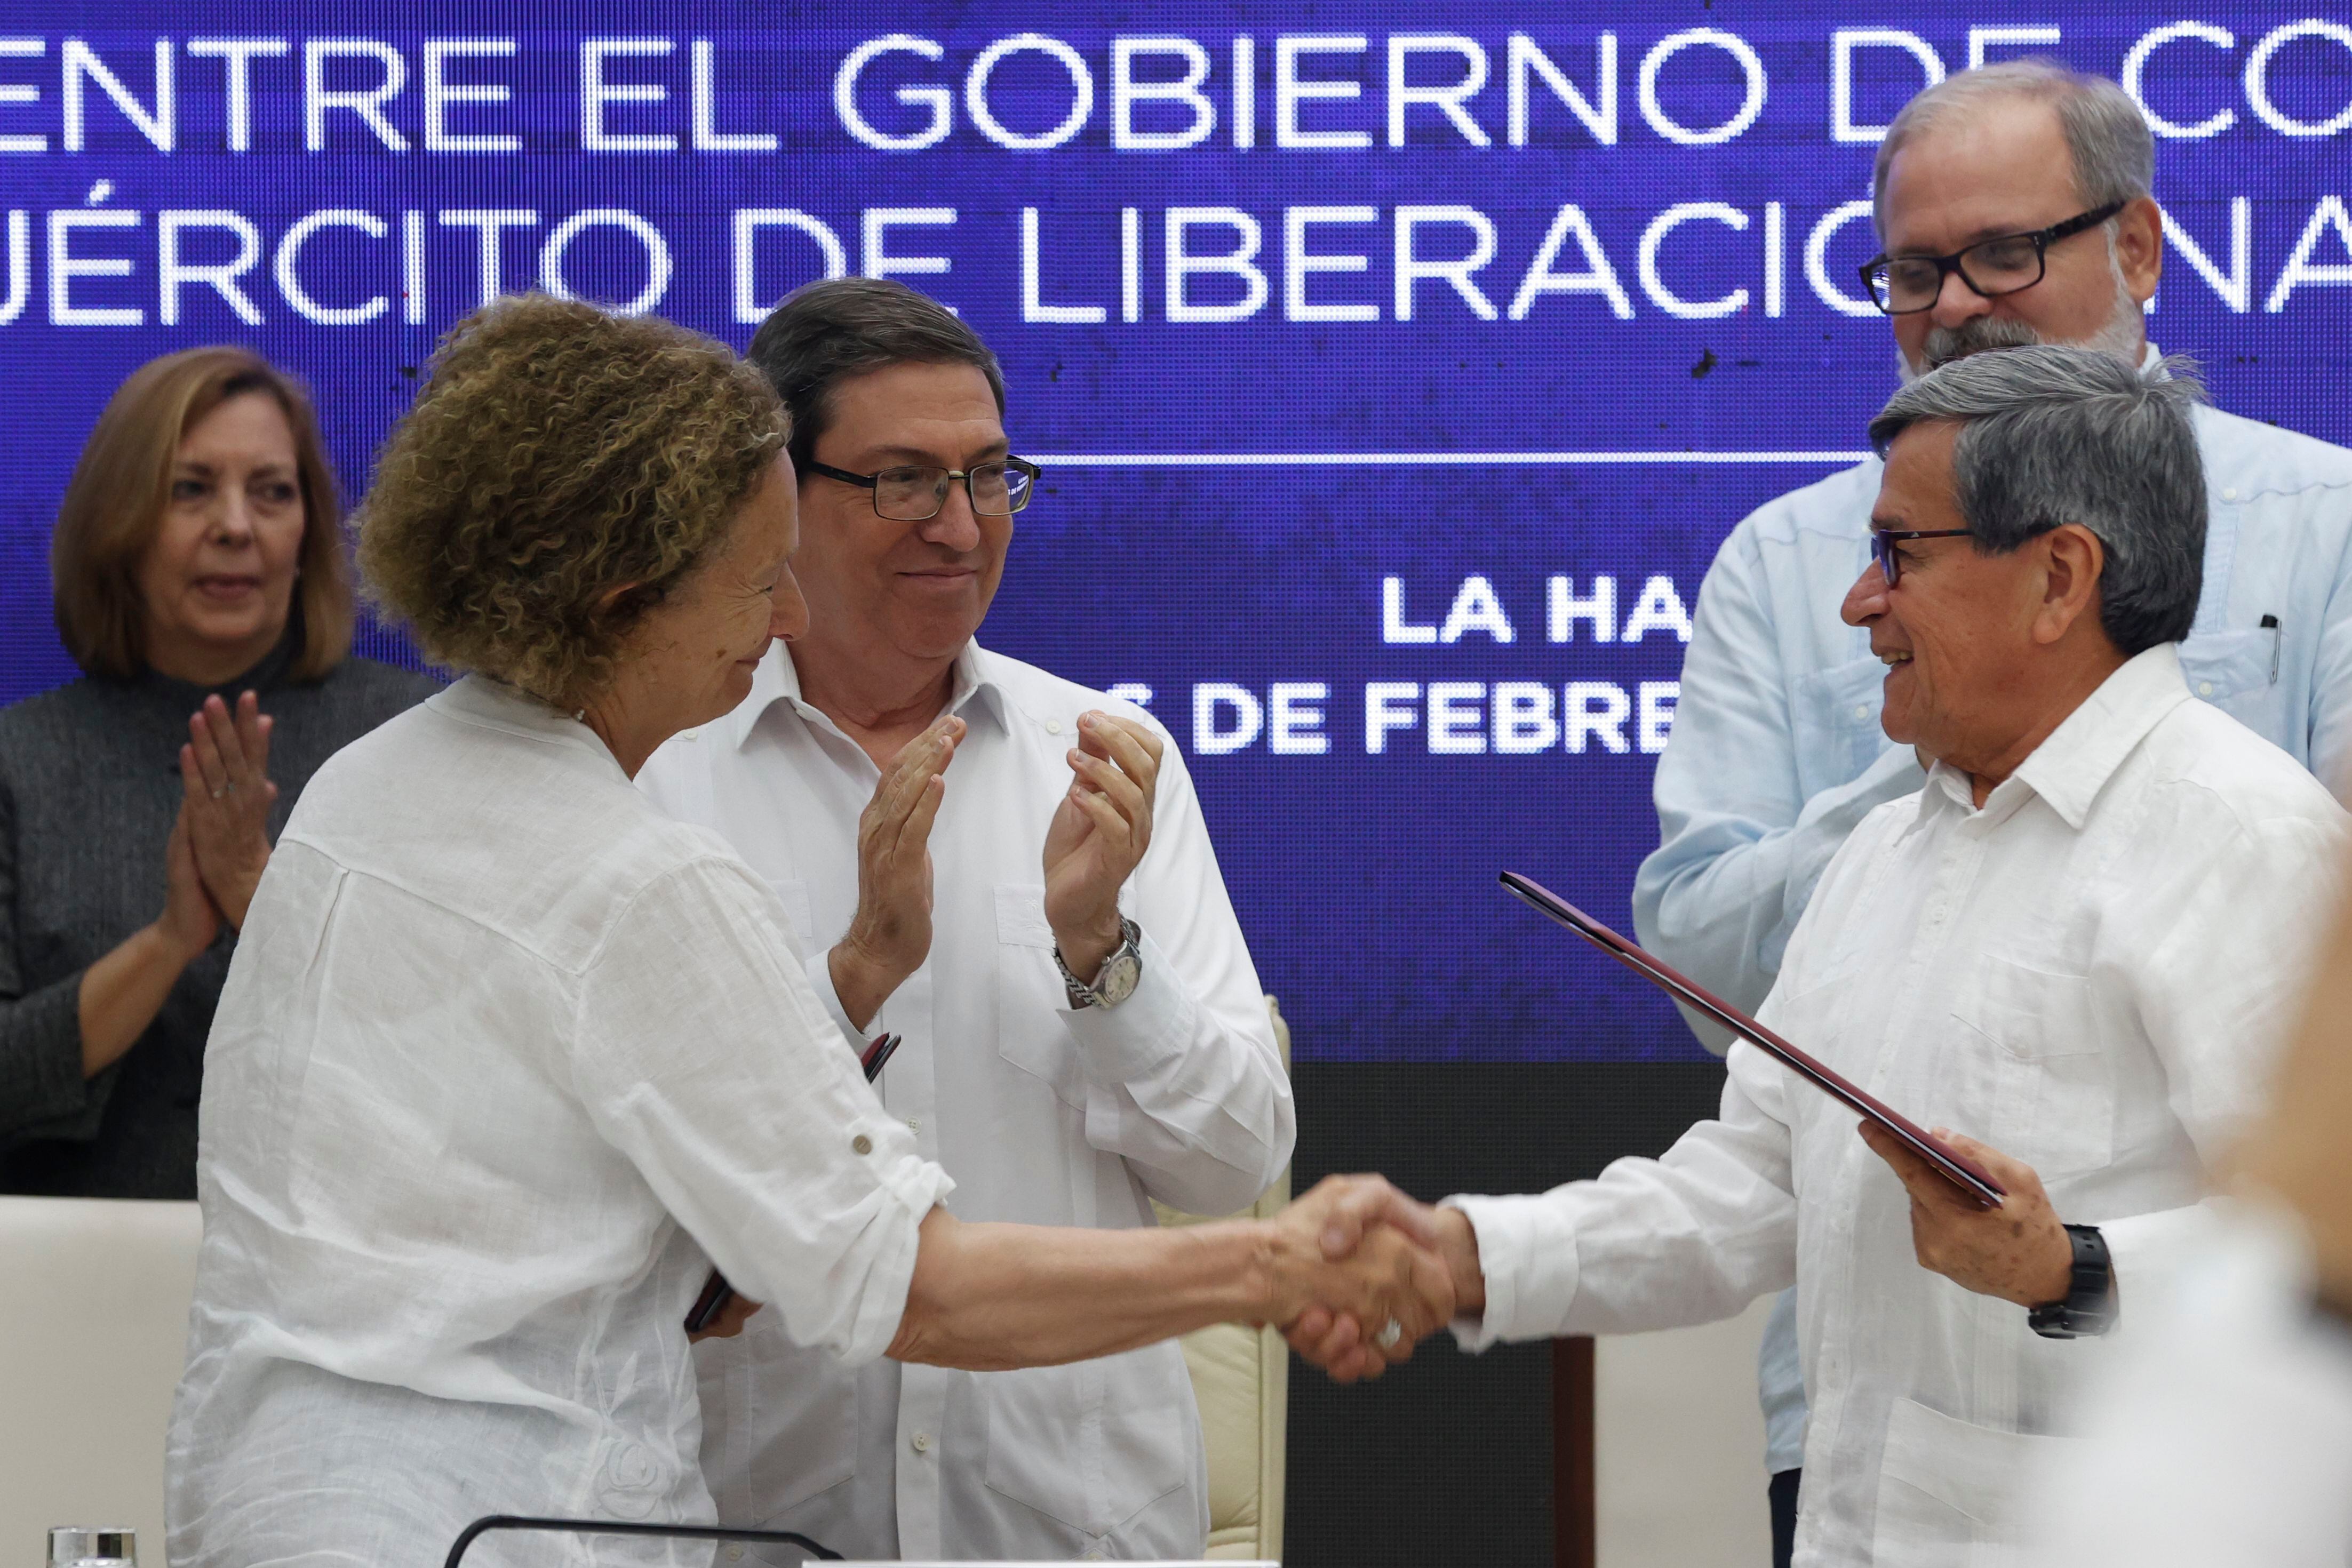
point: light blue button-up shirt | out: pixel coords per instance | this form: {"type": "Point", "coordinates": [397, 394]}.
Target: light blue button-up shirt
{"type": "Point", "coordinates": [1777, 753]}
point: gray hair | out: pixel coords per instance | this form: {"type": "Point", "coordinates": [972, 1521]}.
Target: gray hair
{"type": "Point", "coordinates": [2107, 138]}
{"type": "Point", "coordinates": [2051, 435]}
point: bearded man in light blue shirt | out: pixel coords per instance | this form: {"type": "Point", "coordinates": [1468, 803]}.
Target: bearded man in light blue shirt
{"type": "Point", "coordinates": [2014, 207]}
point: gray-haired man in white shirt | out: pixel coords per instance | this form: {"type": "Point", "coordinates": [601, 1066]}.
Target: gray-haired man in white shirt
{"type": "Point", "coordinates": [1011, 872]}
{"type": "Point", "coordinates": [2077, 943]}
{"type": "Point", "coordinates": [1990, 189]}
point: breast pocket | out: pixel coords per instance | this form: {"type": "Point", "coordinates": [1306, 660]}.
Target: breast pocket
{"type": "Point", "coordinates": [2051, 1079]}
{"type": "Point", "coordinates": [1091, 1444]}
{"type": "Point", "coordinates": [800, 918]}
{"type": "Point", "coordinates": [1030, 994]}
{"type": "Point", "coordinates": [1835, 720]}
{"type": "Point", "coordinates": [1947, 1491]}
{"type": "Point", "coordinates": [2232, 670]}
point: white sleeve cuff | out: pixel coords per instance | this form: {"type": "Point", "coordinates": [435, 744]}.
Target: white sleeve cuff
{"type": "Point", "coordinates": [820, 977]}
{"type": "Point", "coordinates": [1527, 1253]}
{"type": "Point", "coordinates": [2150, 1252]}
{"type": "Point", "coordinates": [1132, 1040]}
{"type": "Point", "coordinates": [917, 1187]}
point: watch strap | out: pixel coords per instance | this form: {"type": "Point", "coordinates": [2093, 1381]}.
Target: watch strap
{"type": "Point", "coordinates": [1082, 993]}
{"type": "Point", "coordinates": [2088, 1308]}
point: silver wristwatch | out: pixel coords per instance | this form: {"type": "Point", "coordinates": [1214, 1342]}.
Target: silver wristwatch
{"type": "Point", "coordinates": [1116, 979]}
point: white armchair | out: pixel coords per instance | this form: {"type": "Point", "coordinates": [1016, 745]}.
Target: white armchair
{"type": "Point", "coordinates": [94, 1311]}
{"type": "Point", "coordinates": [1240, 1376]}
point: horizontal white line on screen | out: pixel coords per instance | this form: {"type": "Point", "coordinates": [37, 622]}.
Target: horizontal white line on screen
{"type": "Point", "coordinates": [1358, 459]}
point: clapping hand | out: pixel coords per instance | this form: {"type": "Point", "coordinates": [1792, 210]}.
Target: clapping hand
{"type": "Point", "coordinates": [1099, 834]}
{"type": "Point", "coordinates": [190, 920]}
{"type": "Point", "coordinates": [890, 934]}
{"type": "Point", "coordinates": [1370, 1257]}
{"type": "Point", "coordinates": [225, 797]}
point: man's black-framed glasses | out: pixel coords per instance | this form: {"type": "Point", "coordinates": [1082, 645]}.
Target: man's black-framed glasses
{"type": "Point", "coordinates": [1903, 284]}
{"type": "Point", "coordinates": [1890, 559]}
{"type": "Point", "coordinates": [915, 492]}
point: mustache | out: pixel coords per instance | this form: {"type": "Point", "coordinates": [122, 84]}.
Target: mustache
{"type": "Point", "coordinates": [1981, 335]}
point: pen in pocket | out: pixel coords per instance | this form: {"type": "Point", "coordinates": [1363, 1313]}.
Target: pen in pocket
{"type": "Point", "coordinates": [2278, 634]}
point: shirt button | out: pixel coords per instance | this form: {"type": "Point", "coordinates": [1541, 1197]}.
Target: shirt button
{"type": "Point", "coordinates": [1052, 727]}
{"type": "Point", "coordinates": [1092, 1557]}
{"type": "Point", "coordinates": [1862, 710]}
{"type": "Point", "coordinates": [2204, 688]}
{"type": "Point", "coordinates": [914, 1123]}
{"type": "Point", "coordinates": [735, 1554]}
{"type": "Point", "coordinates": [921, 1442]}
{"type": "Point", "coordinates": [2230, 494]}
{"type": "Point", "coordinates": [861, 1144]}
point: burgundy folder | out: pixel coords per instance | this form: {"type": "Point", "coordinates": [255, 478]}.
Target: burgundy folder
{"type": "Point", "coordinates": [1960, 1171]}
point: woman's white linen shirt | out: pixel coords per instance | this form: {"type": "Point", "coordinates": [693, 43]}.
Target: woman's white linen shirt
{"type": "Point", "coordinates": [504, 1052]}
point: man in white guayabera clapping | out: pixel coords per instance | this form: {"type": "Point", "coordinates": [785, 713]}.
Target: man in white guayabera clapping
{"type": "Point", "coordinates": [2076, 946]}
{"type": "Point", "coordinates": [2014, 207]}
{"type": "Point", "coordinates": [1011, 872]}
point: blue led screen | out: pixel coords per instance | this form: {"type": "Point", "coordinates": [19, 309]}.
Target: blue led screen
{"type": "Point", "coordinates": [1396, 369]}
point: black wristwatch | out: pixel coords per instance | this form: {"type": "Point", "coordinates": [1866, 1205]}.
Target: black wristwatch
{"type": "Point", "coordinates": [2089, 1307]}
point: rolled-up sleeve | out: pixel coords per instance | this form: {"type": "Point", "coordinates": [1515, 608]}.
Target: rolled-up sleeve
{"type": "Point", "coordinates": [704, 1056]}
{"type": "Point", "coordinates": [43, 1094]}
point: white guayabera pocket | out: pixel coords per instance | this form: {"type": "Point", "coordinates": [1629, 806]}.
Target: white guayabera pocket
{"type": "Point", "coordinates": [1092, 1443]}
{"type": "Point", "coordinates": [1030, 994]}
{"type": "Point", "coordinates": [2052, 1080]}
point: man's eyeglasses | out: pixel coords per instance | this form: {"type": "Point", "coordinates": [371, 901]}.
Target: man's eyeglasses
{"type": "Point", "coordinates": [1902, 285]}
{"type": "Point", "coordinates": [1890, 559]}
{"type": "Point", "coordinates": [915, 494]}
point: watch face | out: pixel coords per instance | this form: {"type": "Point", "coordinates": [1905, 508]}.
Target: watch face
{"type": "Point", "coordinates": [1120, 974]}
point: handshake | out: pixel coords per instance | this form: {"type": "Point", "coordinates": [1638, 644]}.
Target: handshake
{"type": "Point", "coordinates": [1363, 1272]}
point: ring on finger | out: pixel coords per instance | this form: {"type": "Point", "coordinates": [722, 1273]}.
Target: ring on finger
{"type": "Point", "coordinates": [223, 791]}
{"type": "Point", "coordinates": [1389, 1335]}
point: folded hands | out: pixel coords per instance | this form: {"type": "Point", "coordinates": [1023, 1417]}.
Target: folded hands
{"type": "Point", "coordinates": [220, 844]}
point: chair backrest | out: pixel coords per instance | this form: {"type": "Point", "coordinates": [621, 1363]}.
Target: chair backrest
{"type": "Point", "coordinates": [94, 1315]}
{"type": "Point", "coordinates": [1240, 1376]}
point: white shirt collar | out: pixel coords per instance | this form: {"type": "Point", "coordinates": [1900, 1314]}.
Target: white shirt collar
{"type": "Point", "coordinates": [480, 699]}
{"type": "Point", "coordinates": [2070, 767]}
{"type": "Point", "coordinates": [778, 680]}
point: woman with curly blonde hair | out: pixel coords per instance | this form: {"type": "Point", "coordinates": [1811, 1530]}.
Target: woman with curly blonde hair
{"type": "Point", "coordinates": [508, 1060]}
